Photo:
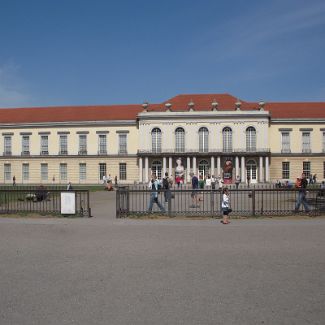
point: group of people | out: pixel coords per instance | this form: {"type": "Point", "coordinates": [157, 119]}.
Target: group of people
{"type": "Point", "coordinates": [155, 185]}
{"type": "Point", "coordinates": [108, 182]}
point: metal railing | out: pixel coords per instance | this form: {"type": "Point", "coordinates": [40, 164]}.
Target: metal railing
{"type": "Point", "coordinates": [44, 201]}
{"type": "Point", "coordinates": [203, 202]}
{"type": "Point", "coordinates": [203, 150]}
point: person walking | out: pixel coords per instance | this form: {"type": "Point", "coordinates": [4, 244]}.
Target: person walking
{"type": "Point", "coordinates": [248, 181]}
{"type": "Point", "coordinates": [195, 190]}
{"type": "Point", "coordinates": [225, 206]}
{"type": "Point", "coordinates": [301, 199]}
{"type": "Point", "coordinates": [166, 184]}
{"type": "Point", "coordinates": [213, 182]}
{"type": "Point", "coordinates": [154, 185]}
{"type": "Point", "coordinates": [69, 187]}
{"type": "Point", "coordinates": [14, 181]}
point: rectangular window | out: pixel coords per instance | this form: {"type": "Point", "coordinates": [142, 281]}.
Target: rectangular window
{"type": "Point", "coordinates": [323, 141]}
{"type": "Point", "coordinates": [306, 142]}
{"type": "Point", "coordinates": [44, 145]}
{"type": "Point", "coordinates": [7, 172]}
{"type": "Point", "coordinates": [306, 168]}
{"type": "Point", "coordinates": [82, 144]}
{"type": "Point", "coordinates": [63, 172]}
{"type": "Point", "coordinates": [123, 144]}
{"type": "Point", "coordinates": [285, 170]}
{"type": "Point", "coordinates": [25, 145]}
{"type": "Point", "coordinates": [122, 168]}
{"type": "Point", "coordinates": [44, 172]}
{"type": "Point", "coordinates": [25, 172]}
{"type": "Point", "coordinates": [102, 170]}
{"type": "Point", "coordinates": [7, 146]}
{"type": "Point", "coordinates": [82, 172]}
{"type": "Point", "coordinates": [285, 142]}
{"type": "Point", "coordinates": [102, 144]}
{"type": "Point", "coordinates": [63, 144]}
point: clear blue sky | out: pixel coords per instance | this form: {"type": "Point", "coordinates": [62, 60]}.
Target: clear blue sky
{"type": "Point", "coordinates": [80, 52]}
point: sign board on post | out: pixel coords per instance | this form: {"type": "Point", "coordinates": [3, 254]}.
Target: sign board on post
{"type": "Point", "coordinates": [68, 203]}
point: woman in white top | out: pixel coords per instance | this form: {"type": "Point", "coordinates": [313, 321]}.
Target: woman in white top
{"type": "Point", "coordinates": [208, 182]}
{"type": "Point", "coordinates": [225, 206]}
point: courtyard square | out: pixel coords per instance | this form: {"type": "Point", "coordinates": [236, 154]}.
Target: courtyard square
{"type": "Point", "coordinates": [103, 270]}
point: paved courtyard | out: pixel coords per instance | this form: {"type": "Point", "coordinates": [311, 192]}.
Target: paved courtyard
{"type": "Point", "coordinates": [107, 271]}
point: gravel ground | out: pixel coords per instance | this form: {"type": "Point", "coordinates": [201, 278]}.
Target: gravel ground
{"type": "Point", "coordinates": [107, 271]}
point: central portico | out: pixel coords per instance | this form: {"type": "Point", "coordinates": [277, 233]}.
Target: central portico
{"type": "Point", "coordinates": [208, 142]}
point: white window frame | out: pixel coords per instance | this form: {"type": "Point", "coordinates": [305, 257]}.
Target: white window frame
{"type": "Point", "coordinates": [180, 139]}
{"type": "Point", "coordinates": [7, 172]}
{"type": "Point", "coordinates": [25, 172]}
{"type": "Point", "coordinates": [44, 144]}
{"type": "Point", "coordinates": [251, 139]}
{"type": "Point", "coordinates": [7, 145]}
{"type": "Point", "coordinates": [63, 172]}
{"type": "Point", "coordinates": [102, 144]}
{"type": "Point", "coordinates": [82, 144]}
{"type": "Point", "coordinates": [122, 171]}
{"type": "Point", "coordinates": [25, 144]}
{"type": "Point", "coordinates": [285, 142]}
{"type": "Point", "coordinates": [285, 170]}
{"type": "Point", "coordinates": [306, 145]}
{"type": "Point", "coordinates": [123, 143]}
{"type": "Point", "coordinates": [44, 172]}
{"type": "Point", "coordinates": [63, 144]}
{"type": "Point", "coordinates": [306, 168]}
{"type": "Point", "coordinates": [203, 139]}
{"type": "Point", "coordinates": [227, 139]}
{"type": "Point", "coordinates": [156, 140]}
{"type": "Point", "coordinates": [82, 171]}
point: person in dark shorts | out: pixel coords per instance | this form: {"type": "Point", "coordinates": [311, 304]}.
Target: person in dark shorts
{"type": "Point", "coordinates": [195, 191]}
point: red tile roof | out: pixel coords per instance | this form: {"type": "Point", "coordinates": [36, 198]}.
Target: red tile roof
{"type": "Point", "coordinates": [202, 102]}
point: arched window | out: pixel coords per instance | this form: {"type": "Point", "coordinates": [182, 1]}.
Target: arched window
{"type": "Point", "coordinates": [156, 168]}
{"type": "Point", "coordinates": [203, 140]}
{"type": "Point", "coordinates": [227, 139]}
{"type": "Point", "coordinates": [250, 139]}
{"type": "Point", "coordinates": [156, 140]}
{"type": "Point", "coordinates": [203, 168]}
{"type": "Point", "coordinates": [180, 140]}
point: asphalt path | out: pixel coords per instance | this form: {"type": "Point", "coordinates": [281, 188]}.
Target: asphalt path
{"type": "Point", "coordinates": [102, 270]}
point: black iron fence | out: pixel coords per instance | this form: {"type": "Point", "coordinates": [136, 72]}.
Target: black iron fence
{"type": "Point", "coordinates": [244, 202]}
{"type": "Point", "coordinates": [43, 201]}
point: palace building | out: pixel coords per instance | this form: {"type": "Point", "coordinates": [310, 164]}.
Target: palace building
{"type": "Point", "coordinates": [214, 134]}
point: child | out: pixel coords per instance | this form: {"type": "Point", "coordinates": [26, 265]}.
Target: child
{"type": "Point", "coordinates": [225, 206]}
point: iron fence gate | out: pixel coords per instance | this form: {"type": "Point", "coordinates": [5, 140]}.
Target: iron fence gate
{"type": "Point", "coordinates": [244, 202]}
{"type": "Point", "coordinates": [42, 201]}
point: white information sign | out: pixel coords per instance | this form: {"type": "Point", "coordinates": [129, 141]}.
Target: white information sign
{"type": "Point", "coordinates": [68, 202]}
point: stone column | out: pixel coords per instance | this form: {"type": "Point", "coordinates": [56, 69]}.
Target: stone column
{"type": "Point", "coordinates": [188, 169]}
{"type": "Point", "coordinates": [170, 166]}
{"type": "Point", "coordinates": [243, 170]}
{"type": "Point", "coordinates": [212, 166]}
{"type": "Point", "coordinates": [237, 166]}
{"type": "Point", "coordinates": [194, 165]}
{"type": "Point", "coordinates": [218, 166]}
{"type": "Point", "coordinates": [267, 170]}
{"type": "Point", "coordinates": [164, 167]}
{"type": "Point", "coordinates": [140, 170]}
{"type": "Point", "coordinates": [146, 169]}
{"type": "Point", "coordinates": [261, 170]}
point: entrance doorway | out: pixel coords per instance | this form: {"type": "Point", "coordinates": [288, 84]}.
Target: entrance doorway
{"type": "Point", "coordinates": [251, 170]}
{"type": "Point", "coordinates": [203, 168]}
{"type": "Point", "coordinates": [156, 168]}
